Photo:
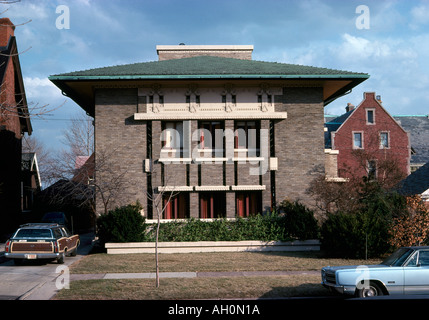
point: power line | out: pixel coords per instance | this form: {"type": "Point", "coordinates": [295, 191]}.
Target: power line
{"type": "Point", "coordinates": [58, 119]}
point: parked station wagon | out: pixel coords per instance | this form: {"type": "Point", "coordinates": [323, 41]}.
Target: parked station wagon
{"type": "Point", "coordinates": [405, 272]}
{"type": "Point", "coordinates": [49, 241]}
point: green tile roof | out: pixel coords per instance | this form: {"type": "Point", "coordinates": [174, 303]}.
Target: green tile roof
{"type": "Point", "coordinates": [206, 67]}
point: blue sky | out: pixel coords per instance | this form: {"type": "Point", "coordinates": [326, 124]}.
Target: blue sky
{"type": "Point", "coordinates": [394, 50]}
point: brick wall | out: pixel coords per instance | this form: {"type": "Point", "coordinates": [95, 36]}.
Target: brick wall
{"type": "Point", "coordinates": [399, 146]}
{"type": "Point", "coordinates": [299, 142]}
{"type": "Point", "coordinates": [299, 147]}
{"type": "Point", "coordinates": [188, 51]}
{"type": "Point", "coordinates": [122, 141]}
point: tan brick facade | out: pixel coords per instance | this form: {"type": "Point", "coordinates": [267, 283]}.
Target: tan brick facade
{"type": "Point", "coordinates": [298, 147]}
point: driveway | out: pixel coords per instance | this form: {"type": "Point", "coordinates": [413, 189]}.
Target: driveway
{"type": "Point", "coordinates": [35, 280]}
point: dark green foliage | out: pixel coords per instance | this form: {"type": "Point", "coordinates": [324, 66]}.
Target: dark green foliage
{"type": "Point", "coordinates": [299, 221]}
{"type": "Point", "coordinates": [258, 227]}
{"type": "Point", "coordinates": [364, 233]}
{"type": "Point", "coordinates": [124, 224]}
{"type": "Point", "coordinates": [267, 227]}
{"type": "Point", "coordinates": [340, 235]}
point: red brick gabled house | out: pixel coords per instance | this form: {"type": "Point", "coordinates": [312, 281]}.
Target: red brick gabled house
{"type": "Point", "coordinates": [369, 142]}
{"type": "Point", "coordinates": [14, 122]}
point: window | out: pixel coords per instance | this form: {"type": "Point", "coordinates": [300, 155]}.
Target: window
{"type": "Point", "coordinates": [246, 135]}
{"type": "Point", "coordinates": [424, 258]}
{"type": "Point", "coordinates": [176, 207]}
{"type": "Point", "coordinates": [208, 137]}
{"type": "Point", "coordinates": [372, 170]}
{"type": "Point", "coordinates": [212, 205]}
{"type": "Point", "coordinates": [384, 140]}
{"type": "Point", "coordinates": [420, 258]}
{"type": "Point", "coordinates": [173, 135]}
{"type": "Point", "coordinates": [357, 140]}
{"type": "Point", "coordinates": [248, 203]}
{"type": "Point", "coordinates": [370, 116]}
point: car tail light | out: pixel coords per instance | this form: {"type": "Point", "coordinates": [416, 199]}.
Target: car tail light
{"type": "Point", "coordinates": [55, 243]}
{"type": "Point", "coordinates": [7, 246]}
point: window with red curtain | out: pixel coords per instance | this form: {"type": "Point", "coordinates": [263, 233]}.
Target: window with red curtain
{"type": "Point", "coordinates": [247, 203]}
{"type": "Point", "coordinates": [208, 136]}
{"type": "Point", "coordinates": [212, 205]}
{"type": "Point", "coordinates": [247, 135]}
{"type": "Point", "coordinates": [177, 207]}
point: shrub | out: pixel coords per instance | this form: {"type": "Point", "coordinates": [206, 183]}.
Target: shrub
{"type": "Point", "coordinates": [299, 221]}
{"type": "Point", "coordinates": [340, 235]}
{"type": "Point", "coordinates": [269, 227]}
{"type": "Point", "coordinates": [355, 235]}
{"type": "Point", "coordinates": [123, 224]}
{"type": "Point", "coordinates": [412, 226]}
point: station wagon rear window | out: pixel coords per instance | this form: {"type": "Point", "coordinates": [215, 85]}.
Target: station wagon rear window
{"type": "Point", "coordinates": [33, 233]}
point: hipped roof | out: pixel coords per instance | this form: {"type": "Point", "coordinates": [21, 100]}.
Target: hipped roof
{"type": "Point", "coordinates": [202, 68]}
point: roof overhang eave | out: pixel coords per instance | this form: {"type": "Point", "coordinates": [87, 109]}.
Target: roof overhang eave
{"type": "Point", "coordinates": [210, 76]}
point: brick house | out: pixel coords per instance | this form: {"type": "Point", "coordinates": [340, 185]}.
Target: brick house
{"type": "Point", "coordinates": [31, 182]}
{"type": "Point", "coordinates": [417, 183]}
{"type": "Point", "coordinates": [231, 135]}
{"type": "Point", "coordinates": [14, 122]}
{"type": "Point", "coordinates": [368, 141]}
{"type": "Point", "coordinates": [418, 127]}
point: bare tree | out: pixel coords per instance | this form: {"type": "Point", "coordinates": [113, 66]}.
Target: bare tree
{"type": "Point", "coordinates": [161, 198]}
{"type": "Point", "coordinates": [79, 136]}
{"type": "Point", "coordinates": [45, 158]}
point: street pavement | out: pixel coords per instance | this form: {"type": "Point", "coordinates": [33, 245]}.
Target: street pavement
{"type": "Point", "coordinates": [36, 281]}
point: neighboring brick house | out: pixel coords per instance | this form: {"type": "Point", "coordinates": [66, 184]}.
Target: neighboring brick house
{"type": "Point", "coordinates": [417, 183]}
{"type": "Point", "coordinates": [368, 141]}
{"type": "Point", "coordinates": [418, 127]}
{"type": "Point", "coordinates": [14, 122]}
{"type": "Point", "coordinates": [31, 182]}
{"type": "Point", "coordinates": [161, 120]}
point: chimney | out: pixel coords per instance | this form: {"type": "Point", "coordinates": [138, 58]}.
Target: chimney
{"type": "Point", "coordinates": [187, 51]}
{"type": "Point", "coordinates": [349, 107]}
{"type": "Point", "coordinates": [7, 29]}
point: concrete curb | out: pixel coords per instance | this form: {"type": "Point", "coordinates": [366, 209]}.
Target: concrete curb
{"type": "Point", "coordinates": [212, 246]}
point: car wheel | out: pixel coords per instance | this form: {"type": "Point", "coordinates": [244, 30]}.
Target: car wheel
{"type": "Point", "coordinates": [372, 290]}
{"type": "Point", "coordinates": [73, 253]}
{"type": "Point", "coordinates": [60, 259]}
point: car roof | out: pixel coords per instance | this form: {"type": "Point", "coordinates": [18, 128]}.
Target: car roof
{"type": "Point", "coordinates": [418, 247]}
{"type": "Point", "coordinates": [40, 225]}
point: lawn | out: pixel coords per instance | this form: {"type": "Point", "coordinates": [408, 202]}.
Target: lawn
{"type": "Point", "coordinates": [202, 288]}
{"type": "Point", "coordinates": [194, 262]}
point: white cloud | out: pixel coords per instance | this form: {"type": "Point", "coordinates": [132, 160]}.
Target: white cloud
{"type": "Point", "coordinates": [361, 48]}
{"type": "Point", "coordinates": [419, 16]}
{"type": "Point", "coordinates": [40, 88]}
{"type": "Point", "coordinates": [25, 10]}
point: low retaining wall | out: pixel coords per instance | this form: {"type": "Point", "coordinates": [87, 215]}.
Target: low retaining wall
{"type": "Point", "coordinates": [212, 246]}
